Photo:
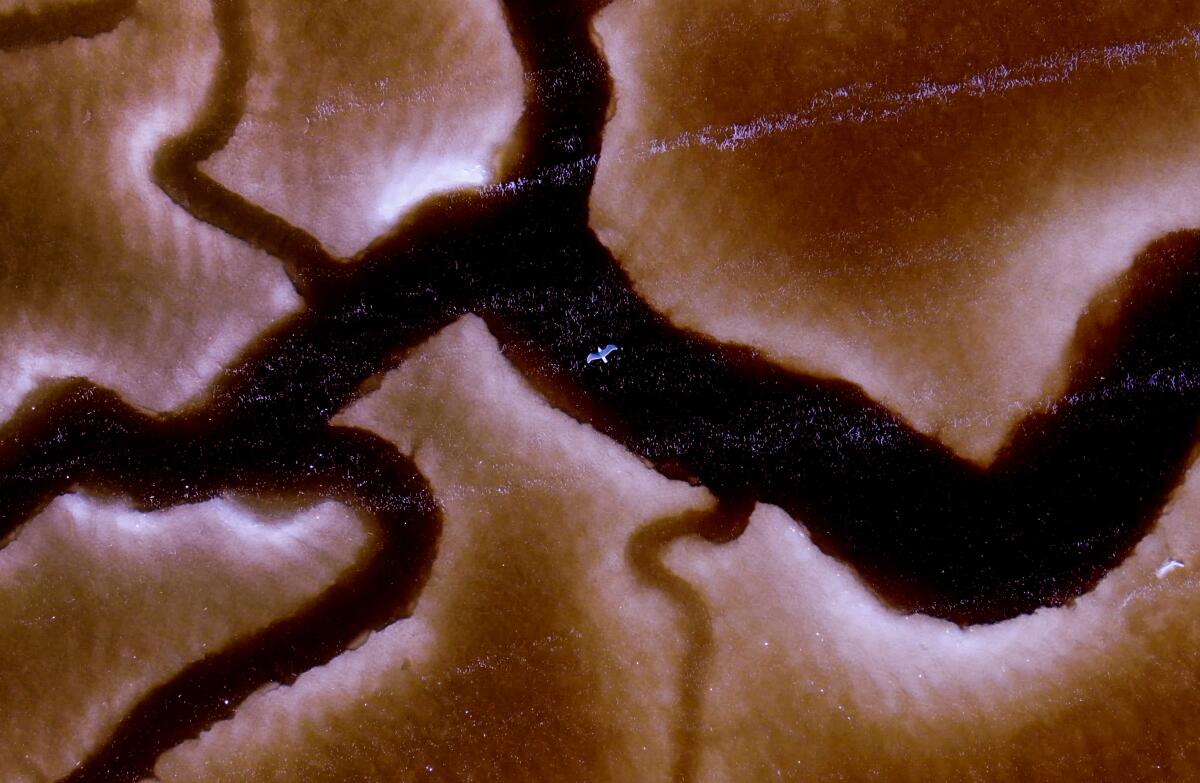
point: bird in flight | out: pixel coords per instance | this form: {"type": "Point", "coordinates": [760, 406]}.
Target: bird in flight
{"type": "Point", "coordinates": [601, 354]}
{"type": "Point", "coordinates": [1168, 567]}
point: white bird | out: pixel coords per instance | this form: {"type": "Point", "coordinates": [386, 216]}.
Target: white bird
{"type": "Point", "coordinates": [601, 354]}
{"type": "Point", "coordinates": [1168, 567]}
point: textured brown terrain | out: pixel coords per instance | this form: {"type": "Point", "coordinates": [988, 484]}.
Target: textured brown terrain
{"type": "Point", "coordinates": [305, 474]}
{"type": "Point", "coordinates": [920, 197]}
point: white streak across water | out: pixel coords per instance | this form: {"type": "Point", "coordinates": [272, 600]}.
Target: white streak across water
{"type": "Point", "coordinates": [862, 102]}
{"type": "Point", "coordinates": [865, 102]}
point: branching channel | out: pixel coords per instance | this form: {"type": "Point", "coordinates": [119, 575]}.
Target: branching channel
{"type": "Point", "coordinates": [1068, 497]}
